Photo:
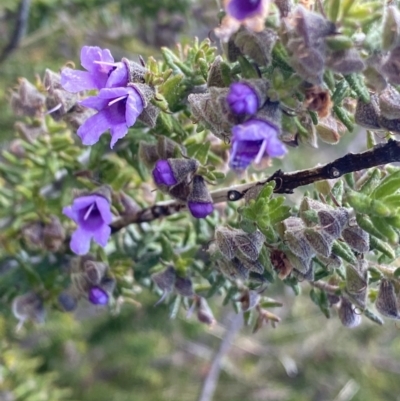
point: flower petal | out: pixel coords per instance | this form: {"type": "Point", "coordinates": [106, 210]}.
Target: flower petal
{"type": "Point", "coordinates": [200, 210]}
{"type": "Point", "coordinates": [80, 241]}
{"type": "Point", "coordinates": [94, 102]}
{"type": "Point", "coordinates": [83, 202]}
{"type": "Point", "coordinates": [275, 148]}
{"type": "Point", "coordinates": [104, 208]}
{"type": "Point", "coordinates": [163, 174]}
{"type": "Point", "coordinates": [75, 81]}
{"type": "Point", "coordinates": [243, 153]}
{"type": "Point", "coordinates": [118, 77]}
{"type": "Point", "coordinates": [253, 130]}
{"type": "Point", "coordinates": [69, 212]}
{"type": "Point", "coordinates": [89, 54]}
{"type": "Point", "coordinates": [98, 296]}
{"type": "Point", "coordinates": [118, 131]}
{"type": "Point", "coordinates": [113, 93]}
{"type": "Point", "coordinates": [134, 107]}
{"type": "Point", "coordinates": [242, 9]}
{"type": "Point", "coordinates": [102, 235]}
{"type": "Point", "coordinates": [91, 130]}
{"type": "Point", "coordinates": [242, 99]}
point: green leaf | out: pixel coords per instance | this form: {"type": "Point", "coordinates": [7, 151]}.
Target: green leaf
{"type": "Point", "coordinates": [364, 204]}
{"type": "Point", "coordinates": [333, 9]}
{"type": "Point", "coordinates": [372, 182]}
{"type": "Point", "coordinates": [279, 214]}
{"type": "Point", "coordinates": [382, 246]}
{"type": "Point", "coordinates": [356, 82]}
{"type": "Point", "coordinates": [388, 186]}
{"type": "Point", "coordinates": [373, 317]}
{"type": "Point", "coordinates": [172, 90]}
{"type": "Point", "coordinates": [216, 286]}
{"type": "Point", "coordinates": [382, 225]}
{"type": "Point", "coordinates": [338, 191]}
{"type": "Point", "coordinates": [249, 213]}
{"type": "Point", "coordinates": [199, 151]}
{"type": "Point", "coordinates": [342, 250]}
{"type": "Point", "coordinates": [344, 117]}
{"type": "Point", "coordinates": [249, 71]}
{"type": "Point", "coordinates": [365, 222]}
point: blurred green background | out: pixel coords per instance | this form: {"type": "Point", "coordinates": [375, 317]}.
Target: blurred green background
{"type": "Point", "coordinates": [141, 354]}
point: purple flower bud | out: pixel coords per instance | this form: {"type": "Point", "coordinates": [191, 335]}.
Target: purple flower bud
{"type": "Point", "coordinates": [242, 9]}
{"type": "Point", "coordinates": [101, 71]}
{"type": "Point", "coordinates": [163, 174]}
{"type": "Point", "coordinates": [200, 202]}
{"type": "Point", "coordinates": [242, 99]}
{"type": "Point", "coordinates": [98, 296]}
{"type": "Point", "coordinates": [174, 171]}
{"type": "Point", "coordinates": [200, 210]}
{"type": "Point", "coordinates": [92, 215]}
{"type": "Point", "coordinates": [253, 140]}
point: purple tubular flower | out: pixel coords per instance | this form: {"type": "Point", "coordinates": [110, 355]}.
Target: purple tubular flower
{"type": "Point", "coordinates": [98, 296]}
{"type": "Point", "coordinates": [163, 174]}
{"type": "Point", "coordinates": [200, 210]}
{"type": "Point", "coordinates": [242, 9]}
{"type": "Point", "coordinates": [101, 71]}
{"type": "Point", "coordinates": [242, 99]}
{"type": "Point", "coordinates": [252, 141]}
{"type": "Point", "coordinates": [118, 109]}
{"type": "Point", "coordinates": [92, 215]}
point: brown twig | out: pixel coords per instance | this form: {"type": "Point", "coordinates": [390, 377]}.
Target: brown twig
{"type": "Point", "coordinates": [21, 22]}
{"type": "Point", "coordinates": [285, 182]}
{"type": "Point", "coordinates": [211, 380]}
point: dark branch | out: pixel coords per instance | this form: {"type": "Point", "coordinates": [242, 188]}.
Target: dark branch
{"type": "Point", "coordinates": [379, 155]}
{"type": "Point", "coordinates": [285, 182]}
{"type": "Point", "coordinates": [19, 29]}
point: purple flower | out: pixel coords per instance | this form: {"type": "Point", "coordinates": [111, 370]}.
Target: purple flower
{"type": "Point", "coordinates": [101, 72]}
{"type": "Point", "coordinates": [98, 296]}
{"type": "Point", "coordinates": [242, 99]}
{"type": "Point", "coordinates": [163, 174]}
{"type": "Point", "coordinates": [118, 109]}
{"type": "Point", "coordinates": [254, 140]}
{"type": "Point", "coordinates": [242, 9]}
{"type": "Point", "coordinates": [92, 215]}
{"type": "Point", "coordinates": [200, 209]}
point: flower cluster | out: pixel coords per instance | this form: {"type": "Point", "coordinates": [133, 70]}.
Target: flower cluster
{"type": "Point", "coordinates": [178, 178]}
{"type": "Point", "coordinates": [250, 120]}
{"type": "Point", "coordinates": [382, 112]}
{"type": "Point", "coordinates": [90, 279]}
{"type": "Point", "coordinates": [122, 97]}
{"type": "Point", "coordinates": [305, 239]}
{"type": "Point", "coordinates": [237, 252]}
{"type": "Point", "coordinates": [313, 47]}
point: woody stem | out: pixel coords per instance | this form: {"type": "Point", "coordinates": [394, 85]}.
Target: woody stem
{"type": "Point", "coordinates": [285, 183]}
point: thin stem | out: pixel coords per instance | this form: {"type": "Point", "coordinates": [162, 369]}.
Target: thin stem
{"type": "Point", "coordinates": [385, 270]}
{"type": "Point", "coordinates": [211, 380]}
{"type": "Point", "coordinates": [322, 285]}
{"type": "Point", "coordinates": [21, 23]}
